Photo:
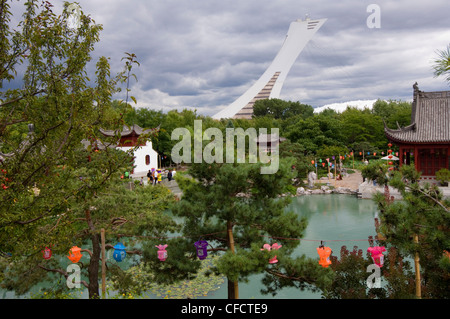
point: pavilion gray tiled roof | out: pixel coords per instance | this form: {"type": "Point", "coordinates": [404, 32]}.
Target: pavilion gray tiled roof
{"type": "Point", "coordinates": [128, 130]}
{"type": "Point", "coordinates": [430, 119]}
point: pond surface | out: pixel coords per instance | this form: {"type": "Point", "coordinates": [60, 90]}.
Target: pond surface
{"type": "Point", "coordinates": [336, 220]}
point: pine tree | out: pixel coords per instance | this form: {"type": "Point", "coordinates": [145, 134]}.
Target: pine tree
{"type": "Point", "coordinates": [237, 210]}
{"type": "Point", "coordinates": [418, 226]}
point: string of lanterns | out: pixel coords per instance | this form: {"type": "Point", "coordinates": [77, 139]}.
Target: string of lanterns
{"type": "Point", "coordinates": [324, 252]}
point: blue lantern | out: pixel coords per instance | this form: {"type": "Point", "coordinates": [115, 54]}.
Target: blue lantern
{"type": "Point", "coordinates": [119, 252]}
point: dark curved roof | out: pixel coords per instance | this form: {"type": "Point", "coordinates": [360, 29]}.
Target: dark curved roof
{"type": "Point", "coordinates": [127, 131]}
{"type": "Point", "coordinates": [430, 119]}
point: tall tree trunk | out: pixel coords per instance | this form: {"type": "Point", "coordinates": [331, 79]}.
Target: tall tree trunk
{"type": "Point", "coordinates": [93, 288]}
{"type": "Point", "coordinates": [233, 289]}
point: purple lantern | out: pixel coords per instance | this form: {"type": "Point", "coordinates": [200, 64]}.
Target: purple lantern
{"type": "Point", "coordinates": [201, 246]}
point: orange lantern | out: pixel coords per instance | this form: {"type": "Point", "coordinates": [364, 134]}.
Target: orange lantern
{"type": "Point", "coordinates": [75, 254]}
{"type": "Point", "coordinates": [324, 255]}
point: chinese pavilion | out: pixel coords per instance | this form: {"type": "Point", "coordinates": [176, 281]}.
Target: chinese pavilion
{"type": "Point", "coordinates": [427, 138]}
{"type": "Point", "coordinates": [144, 156]}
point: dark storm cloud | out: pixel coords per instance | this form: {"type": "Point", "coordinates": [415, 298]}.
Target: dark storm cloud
{"type": "Point", "coordinates": [205, 54]}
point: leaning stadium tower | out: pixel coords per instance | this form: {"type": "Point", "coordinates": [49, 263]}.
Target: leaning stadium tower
{"type": "Point", "coordinates": [270, 83]}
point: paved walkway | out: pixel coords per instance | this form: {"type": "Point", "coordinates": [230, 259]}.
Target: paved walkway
{"type": "Point", "coordinates": [352, 181]}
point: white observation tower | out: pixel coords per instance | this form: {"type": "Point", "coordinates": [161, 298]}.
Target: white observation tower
{"type": "Point", "coordinates": [270, 83]}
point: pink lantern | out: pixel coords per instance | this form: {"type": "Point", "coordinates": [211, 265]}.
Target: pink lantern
{"type": "Point", "coordinates": [47, 253]}
{"type": "Point", "coordinates": [162, 252]}
{"type": "Point", "coordinates": [275, 246]}
{"type": "Point", "coordinates": [377, 255]}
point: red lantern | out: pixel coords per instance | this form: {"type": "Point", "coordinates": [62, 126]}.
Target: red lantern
{"type": "Point", "coordinates": [47, 253]}
{"type": "Point", "coordinates": [324, 255]}
{"type": "Point", "coordinates": [162, 252]}
{"type": "Point", "coordinates": [377, 255]}
{"type": "Point", "coordinates": [275, 246]}
{"type": "Point", "coordinates": [312, 162]}
{"type": "Point", "coordinates": [75, 254]}
{"type": "Point", "coordinates": [390, 145]}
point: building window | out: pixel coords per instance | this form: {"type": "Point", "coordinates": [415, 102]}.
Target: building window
{"type": "Point", "coordinates": [147, 159]}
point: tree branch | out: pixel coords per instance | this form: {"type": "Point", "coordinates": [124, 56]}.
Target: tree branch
{"type": "Point", "coordinates": [62, 272]}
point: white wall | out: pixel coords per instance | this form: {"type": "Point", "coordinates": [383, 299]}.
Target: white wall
{"type": "Point", "coordinates": [139, 161]}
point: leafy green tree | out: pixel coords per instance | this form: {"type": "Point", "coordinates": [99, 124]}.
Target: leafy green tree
{"type": "Point", "coordinates": [280, 109]}
{"type": "Point", "coordinates": [301, 163]}
{"type": "Point", "coordinates": [316, 132]}
{"type": "Point", "coordinates": [362, 126]}
{"type": "Point", "coordinates": [56, 175]}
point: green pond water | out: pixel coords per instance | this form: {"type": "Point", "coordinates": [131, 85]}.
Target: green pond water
{"type": "Point", "coordinates": [335, 219]}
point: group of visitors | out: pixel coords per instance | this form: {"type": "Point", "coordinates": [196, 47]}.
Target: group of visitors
{"type": "Point", "coordinates": [155, 176]}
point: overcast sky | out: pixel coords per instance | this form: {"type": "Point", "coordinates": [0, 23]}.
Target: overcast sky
{"type": "Point", "coordinates": [204, 54]}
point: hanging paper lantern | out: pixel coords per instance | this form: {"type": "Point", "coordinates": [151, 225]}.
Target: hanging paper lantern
{"type": "Point", "coordinates": [390, 163]}
{"type": "Point", "coordinates": [446, 253]}
{"type": "Point", "coordinates": [162, 252]}
{"type": "Point", "coordinates": [390, 145]}
{"type": "Point", "coordinates": [75, 254]}
{"type": "Point", "coordinates": [320, 160]}
{"type": "Point", "coordinates": [377, 255]}
{"type": "Point", "coordinates": [324, 256]}
{"type": "Point", "coordinates": [312, 162]}
{"type": "Point", "coordinates": [333, 157]}
{"type": "Point", "coordinates": [374, 154]}
{"type": "Point", "coordinates": [201, 247]}
{"type": "Point", "coordinates": [275, 246]}
{"type": "Point", "coordinates": [368, 153]}
{"type": "Point", "coordinates": [360, 153]}
{"type": "Point", "coordinates": [47, 253]}
{"type": "Point", "coordinates": [323, 164]}
{"type": "Point", "coordinates": [119, 252]}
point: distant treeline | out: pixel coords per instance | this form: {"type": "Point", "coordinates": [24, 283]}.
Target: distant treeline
{"type": "Point", "coordinates": [321, 134]}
